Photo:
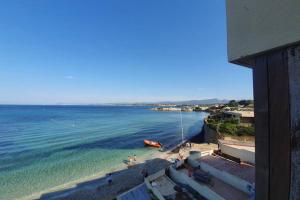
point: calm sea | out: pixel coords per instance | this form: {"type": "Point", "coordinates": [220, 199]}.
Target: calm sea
{"type": "Point", "coordinates": [42, 147]}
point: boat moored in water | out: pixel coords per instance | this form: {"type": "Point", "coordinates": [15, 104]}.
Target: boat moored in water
{"type": "Point", "coordinates": [152, 143]}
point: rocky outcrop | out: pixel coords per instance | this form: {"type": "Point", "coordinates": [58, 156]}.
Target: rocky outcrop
{"type": "Point", "coordinates": [210, 135]}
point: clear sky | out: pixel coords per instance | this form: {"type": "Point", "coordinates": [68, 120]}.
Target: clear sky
{"type": "Point", "coordinates": [97, 51]}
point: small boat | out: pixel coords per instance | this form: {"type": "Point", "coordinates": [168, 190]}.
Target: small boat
{"type": "Point", "coordinates": [152, 143]}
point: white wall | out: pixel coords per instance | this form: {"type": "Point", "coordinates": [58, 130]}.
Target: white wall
{"type": "Point", "coordinates": [242, 154]}
{"type": "Point", "coordinates": [200, 188]}
{"type": "Point", "coordinates": [149, 186]}
{"type": "Point", "coordinates": [200, 154]}
{"type": "Point", "coordinates": [156, 175]}
{"type": "Point", "coordinates": [224, 176]}
{"type": "Point", "coordinates": [255, 26]}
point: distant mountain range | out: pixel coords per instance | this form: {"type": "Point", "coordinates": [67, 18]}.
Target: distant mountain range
{"type": "Point", "coordinates": [187, 102]}
{"type": "Point", "coordinates": [196, 102]}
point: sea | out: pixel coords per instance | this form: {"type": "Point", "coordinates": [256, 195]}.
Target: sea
{"type": "Point", "coordinates": [48, 147]}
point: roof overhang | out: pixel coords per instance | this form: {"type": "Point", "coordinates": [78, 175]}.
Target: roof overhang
{"type": "Point", "coordinates": [255, 27]}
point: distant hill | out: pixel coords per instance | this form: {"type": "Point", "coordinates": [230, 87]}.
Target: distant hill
{"type": "Point", "coordinates": [187, 102]}
{"type": "Point", "coordinates": [196, 102]}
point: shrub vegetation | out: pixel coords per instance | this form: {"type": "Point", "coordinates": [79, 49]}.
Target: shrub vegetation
{"type": "Point", "coordinates": [230, 127]}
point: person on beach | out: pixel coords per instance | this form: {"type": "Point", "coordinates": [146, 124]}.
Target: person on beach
{"type": "Point", "coordinates": [129, 160]}
{"type": "Point", "coordinates": [109, 179]}
{"type": "Point", "coordinates": [134, 157]}
{"type": "Point", "coordinates": [180, 156]}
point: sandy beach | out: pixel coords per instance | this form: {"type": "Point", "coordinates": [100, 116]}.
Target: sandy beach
{"type": "Point", "coordinates": [125, 178]}
{"type": "Point", "coordinates": [122, 182]}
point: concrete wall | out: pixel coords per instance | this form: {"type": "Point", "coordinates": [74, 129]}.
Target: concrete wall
{"type": "Point", "coordinates": [243, 155]}
{"type": "Point", "coordinates": [155, 175]}
{"type": "Point", "coordinates": [201, 189]}
{"type": "Point", "coordinates": [149, 186]}
{"type": "Point", "coordinates": [155, 191]}
{"type": "Point", "coordinates": [200, 154]}
{"type": "Point", "coordinates": [256, 26]}
{"type": "Point", "coordinates": [138, 192]}
{"type": "Point", "coordinates": [247, 120]}
{"type": "Point", "coordinates": [230, 179]}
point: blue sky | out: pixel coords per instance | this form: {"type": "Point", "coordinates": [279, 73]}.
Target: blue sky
{"type": "Point", "coordinates": [69, 51]}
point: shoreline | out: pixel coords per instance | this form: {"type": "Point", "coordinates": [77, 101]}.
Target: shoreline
{"type": "Point", "coordinates": [75, 189]}
{"type": "Point", "coordinates": [83, 182]}
{"type": "Point", "coordinates": [95, 181]}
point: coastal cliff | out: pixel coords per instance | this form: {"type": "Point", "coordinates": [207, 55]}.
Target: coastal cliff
{"type": "Point", "coordinates": [207, 135]}
{"type": "Point", "coordinates": [210, 135]}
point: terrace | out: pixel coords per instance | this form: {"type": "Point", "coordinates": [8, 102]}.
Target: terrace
{"type": "Point", "coordinates": [214, 184]}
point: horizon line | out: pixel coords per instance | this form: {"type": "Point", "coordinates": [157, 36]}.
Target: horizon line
{"type": "Point", "coordinates": [114, 103]}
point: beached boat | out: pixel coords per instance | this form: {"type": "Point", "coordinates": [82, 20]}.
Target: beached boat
{"type": "Point", "coordinates": [152, 143]}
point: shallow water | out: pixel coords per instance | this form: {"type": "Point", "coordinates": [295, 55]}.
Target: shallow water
{"type": "Point", "coordinates": [42, 147]}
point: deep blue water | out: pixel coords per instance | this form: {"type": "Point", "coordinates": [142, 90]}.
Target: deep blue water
{"type": "Point", "coordinates": [42, 147]}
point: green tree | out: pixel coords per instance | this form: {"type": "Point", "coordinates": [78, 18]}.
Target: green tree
{"type": "Point", "coordinates": [233, 103]}
{"type": "Point", "coordinates": [245, 102]}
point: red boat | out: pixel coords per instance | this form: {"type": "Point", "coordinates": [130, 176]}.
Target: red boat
{"type": "Point", "coordinates": [152, 143]}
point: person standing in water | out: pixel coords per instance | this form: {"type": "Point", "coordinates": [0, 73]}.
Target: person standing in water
{"type": "Point", "coordinates": [134, 158]}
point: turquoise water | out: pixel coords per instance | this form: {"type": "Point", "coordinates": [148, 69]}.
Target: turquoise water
{"type": "Point", "coordinates": [42, 147]}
